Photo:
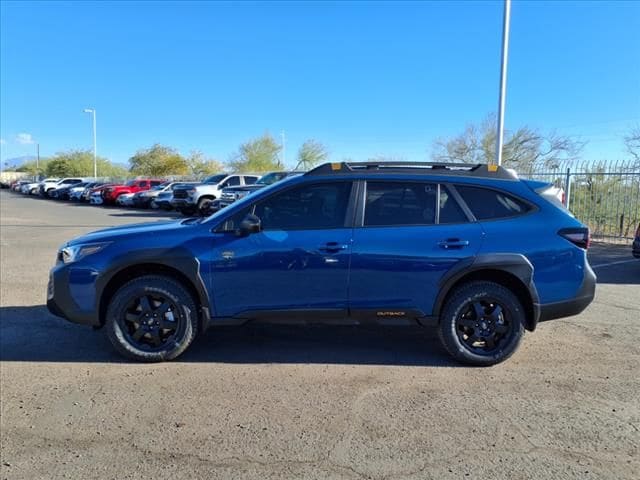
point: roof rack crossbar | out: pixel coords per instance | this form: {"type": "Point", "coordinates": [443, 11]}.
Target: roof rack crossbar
{"type": "Point", "coordinates": [468, 169]}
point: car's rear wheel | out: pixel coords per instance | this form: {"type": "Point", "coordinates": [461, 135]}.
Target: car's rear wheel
{"type": "Point", "coordinates": [151, 319]}
{"type": "Point", "coordinates": [482, 323]}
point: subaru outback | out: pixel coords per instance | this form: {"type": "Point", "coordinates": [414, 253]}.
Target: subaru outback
{"type": "Point", "coordinates": [471, 250]}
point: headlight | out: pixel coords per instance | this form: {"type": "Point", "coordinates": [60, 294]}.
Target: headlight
{"type": "Point", "coordinates": [74, 253]}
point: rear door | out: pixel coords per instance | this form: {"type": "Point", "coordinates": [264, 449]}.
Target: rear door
{"type": "Point", "coordinates": [407, 237]}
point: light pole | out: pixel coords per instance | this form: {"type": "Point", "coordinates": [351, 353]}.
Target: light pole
{"type": "Point", "coordinates": [503, 80]}
{"type": "Point", "coordinates": [284, 149]}
{"type": "Point", "coordinates": [95, 158]}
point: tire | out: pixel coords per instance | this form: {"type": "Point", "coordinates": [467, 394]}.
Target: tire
{"type": "Point", "coordinates": [154, 343]}
{"type": "Point", "coordinates": [204, 202]}
{"type": "Point", "coordinates": [482, 323]}
{"type": "Point", "coordinates": [203, 206]}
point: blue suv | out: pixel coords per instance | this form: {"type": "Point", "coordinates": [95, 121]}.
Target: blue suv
{"type": "Point", "coordinates": [469, 249]}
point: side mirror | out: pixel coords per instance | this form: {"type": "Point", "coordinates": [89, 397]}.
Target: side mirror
{"type": "Point", "coordinates": [250, 224]}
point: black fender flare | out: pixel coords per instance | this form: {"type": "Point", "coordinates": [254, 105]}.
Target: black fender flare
{"type": "Point", "coordinates": [515, 264]}
{"type": "Point", "coordinates": [180, 259]}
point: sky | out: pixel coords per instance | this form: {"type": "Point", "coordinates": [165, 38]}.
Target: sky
{"type": "Point", "coordinates": [364, 78]}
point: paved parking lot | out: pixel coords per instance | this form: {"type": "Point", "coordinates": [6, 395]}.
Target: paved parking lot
{"type": "Point", "coordinates": [260, 402]}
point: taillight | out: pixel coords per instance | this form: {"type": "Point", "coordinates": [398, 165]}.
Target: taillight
{"type": "Point", "coordinates": [578, 236]}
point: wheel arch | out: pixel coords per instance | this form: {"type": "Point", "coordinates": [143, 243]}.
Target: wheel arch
{"type": "Point", "coordinates": [512, 271]}
{"type": "Point", "coordinates": [185, 271]}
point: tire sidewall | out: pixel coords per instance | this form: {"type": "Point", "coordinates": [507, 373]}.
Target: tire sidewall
{"type": "Point", "coordinates": [459, 300]}
{"type": "Point", "coordinates": [150, 285]}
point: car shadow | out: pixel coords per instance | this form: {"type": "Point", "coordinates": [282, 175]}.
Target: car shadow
{"type": "Point", "coordinates": [32, 334]}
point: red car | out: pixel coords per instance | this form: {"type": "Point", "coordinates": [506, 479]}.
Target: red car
{"type": "Point", "coordinates": [111, 194]}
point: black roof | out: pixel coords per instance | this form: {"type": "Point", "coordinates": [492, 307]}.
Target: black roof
{"type": "Point", "coordinates": [415, 168]}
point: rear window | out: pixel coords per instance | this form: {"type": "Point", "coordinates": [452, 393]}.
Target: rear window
{"type": "Point", "coordinates": [487, 204]}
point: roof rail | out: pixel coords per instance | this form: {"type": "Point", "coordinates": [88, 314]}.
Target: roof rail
{"type": "Point", "coordinates": [426, 168]}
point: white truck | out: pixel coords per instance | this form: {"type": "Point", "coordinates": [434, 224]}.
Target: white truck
{"type": "Point", "coordinates": [189, 199]}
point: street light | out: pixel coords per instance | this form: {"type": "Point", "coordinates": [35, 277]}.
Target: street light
{"type": "Point", "coordinates": [284, 149]}
{"type": "Point", "coordinates": [503, 79]}
{"type": "Point", "coordinates": [95, 158]}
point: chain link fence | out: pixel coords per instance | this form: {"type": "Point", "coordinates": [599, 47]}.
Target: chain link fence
{"type": "Point", "coordinates": [605, 196]}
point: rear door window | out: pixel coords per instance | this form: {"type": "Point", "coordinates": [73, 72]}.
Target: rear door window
{"type": "Point", "coordinates": [488, 204]}
{"type": "Point", "coordinates": [450, 210]}
{"type": "Point", "coordinates": [400, 203]}
{"type": "Point", "coordinates": [250, 180]}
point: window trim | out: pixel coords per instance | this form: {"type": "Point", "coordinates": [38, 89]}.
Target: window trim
{"type": "Point", "coordinates": [362, 203]}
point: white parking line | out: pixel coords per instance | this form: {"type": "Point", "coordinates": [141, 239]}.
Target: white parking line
{"type": "Point", "coordinates": [615, 263]}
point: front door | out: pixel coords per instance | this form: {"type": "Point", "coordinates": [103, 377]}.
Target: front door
{"type": "Point", "coordinates": [297, 263]}
{"type": "Point", "coordinates": [411, 234]}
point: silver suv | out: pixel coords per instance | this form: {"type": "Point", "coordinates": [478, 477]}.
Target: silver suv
{"type": "Point", "coordinates": [191, 198]}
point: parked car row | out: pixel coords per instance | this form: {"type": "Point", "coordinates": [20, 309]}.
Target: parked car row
{"type": "Point", "coordinates": [189, 198]}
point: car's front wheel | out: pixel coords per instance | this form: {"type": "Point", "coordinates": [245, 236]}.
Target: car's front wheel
{"type": "Point", "coordinates": [482, 323]}
{"type": "Point", "coordinates": [151, 319]}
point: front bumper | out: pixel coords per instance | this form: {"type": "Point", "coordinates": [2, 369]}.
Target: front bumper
{"type": "Point", "coordinates": [567, 308]}
{"type": "Point", "coordinates": [183, 203]}
{"type": "Point", "coordinates": [71, 294]}
{"type": "Point", "coordinates": [142, 201]}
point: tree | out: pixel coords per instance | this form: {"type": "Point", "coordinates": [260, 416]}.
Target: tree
{"type": "Point", "coordinates": [79, 163]}
{"type": "Point", "coordinates": [201, 166]}
{"type": "Point", "coordinates": [33, 168]}
{"type": "Point", "coordinates": [632, 142]}
{"type": "Point", "coordinates": [258, 155]}
{"type": "Point", "coordinates": [522, 147]}
{"type": "Point", "coordinates": [158, 161]}
{"type": "Point", "coordinates": [311, 153]}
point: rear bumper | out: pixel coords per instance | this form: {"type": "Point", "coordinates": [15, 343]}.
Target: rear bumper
{"type": "Point", "coordinates": [567, 308]}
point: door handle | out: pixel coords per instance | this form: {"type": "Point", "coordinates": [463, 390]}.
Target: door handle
{"type": "Point", "coordinates": [332, 247]}
{"type": "Point", "coordinates": [451, 243]}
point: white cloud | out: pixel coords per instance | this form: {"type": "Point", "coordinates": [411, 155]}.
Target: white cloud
{"type": "Point", "coordinates": [24, 139]}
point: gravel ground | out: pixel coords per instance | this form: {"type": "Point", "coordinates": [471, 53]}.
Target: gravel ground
{"type": "Point", "coordinates": [262, 402]}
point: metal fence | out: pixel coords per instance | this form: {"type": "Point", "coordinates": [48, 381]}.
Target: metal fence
{"type": "Point", "coordinates": [603, 195]}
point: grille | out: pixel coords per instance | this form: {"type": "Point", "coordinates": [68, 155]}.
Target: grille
{"type": "Point", "coordinates": [180, 194]}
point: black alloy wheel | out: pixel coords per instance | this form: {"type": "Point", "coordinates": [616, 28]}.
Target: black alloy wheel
{"type": "Point", "coordinates": [483, 326]}
{"type": "Point", "coordinates": [151, 322]}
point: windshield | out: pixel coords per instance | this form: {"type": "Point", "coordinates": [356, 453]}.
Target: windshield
{"type": "Point", "coordinates": [270, 178]}
{"type": "Point", "coordinates": [215, 178]}
{"type": "Point", "coordinates": [130, 183]}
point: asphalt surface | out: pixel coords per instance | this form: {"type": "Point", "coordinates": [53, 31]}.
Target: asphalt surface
{"type": "Point", "coordinates": [265, 402]}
